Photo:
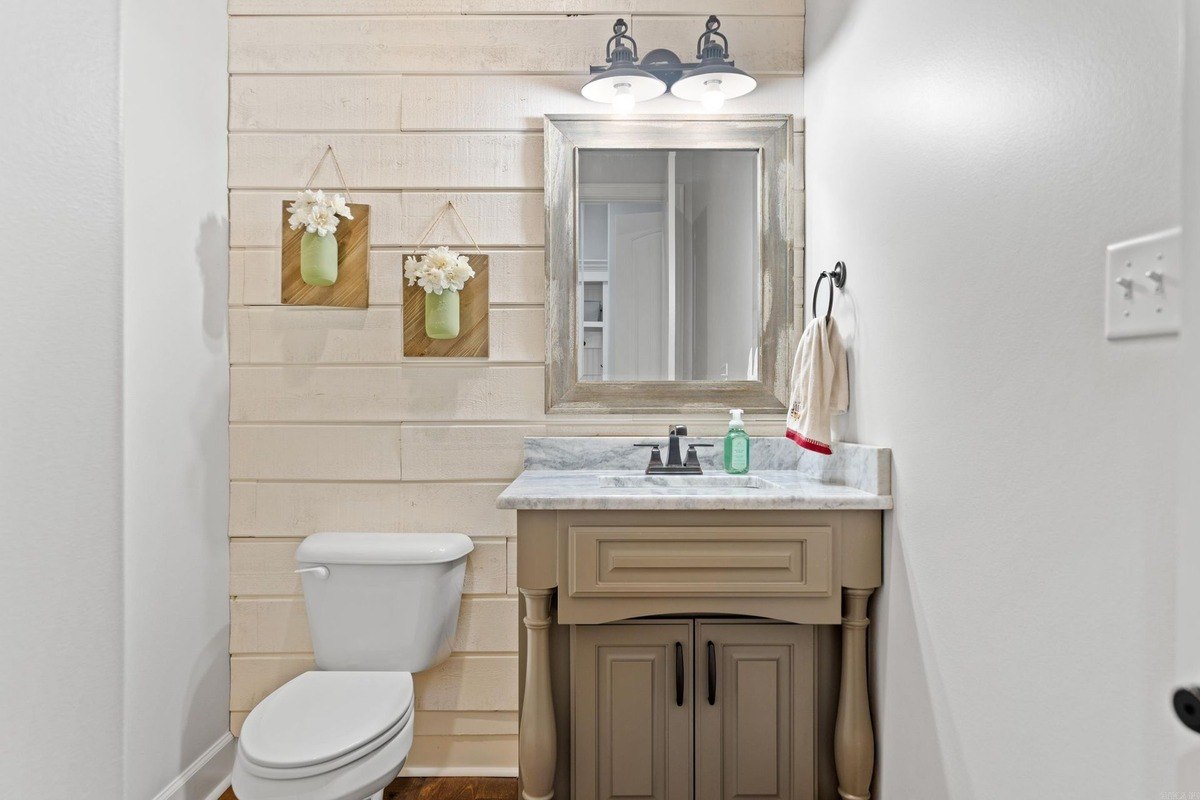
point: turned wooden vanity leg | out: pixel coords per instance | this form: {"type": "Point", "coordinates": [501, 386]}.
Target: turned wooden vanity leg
{"type": "Point", "coordinates": [854, 738]}
{"type": "Point", "coordinates": [538, 749]}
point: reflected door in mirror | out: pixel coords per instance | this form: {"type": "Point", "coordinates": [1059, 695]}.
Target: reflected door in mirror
{"type": "Point", "coordinates": [668, 265]}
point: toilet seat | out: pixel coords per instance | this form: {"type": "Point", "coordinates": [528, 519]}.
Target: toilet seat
{"type": "Point", "coordinates": [357, 780]}
{"type": "Point", "coordinates": [320, 721]}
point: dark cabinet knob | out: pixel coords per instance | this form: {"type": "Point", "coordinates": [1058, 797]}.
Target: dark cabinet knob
{"type": "Point", "coordinates": [1187, 706]}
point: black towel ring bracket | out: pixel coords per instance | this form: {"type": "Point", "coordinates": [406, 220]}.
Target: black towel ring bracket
{"type": "Point", "coordinates": [837, 278]}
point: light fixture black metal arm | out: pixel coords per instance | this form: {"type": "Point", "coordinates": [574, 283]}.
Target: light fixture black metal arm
{"type": "Point", "coordinates": [707, 46]}
{"type": "Point", "coordinates": [618, 51]}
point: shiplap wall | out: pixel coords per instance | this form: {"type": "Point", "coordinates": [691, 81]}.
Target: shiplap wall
{"type": "Point", "coordinates": [330, 427]}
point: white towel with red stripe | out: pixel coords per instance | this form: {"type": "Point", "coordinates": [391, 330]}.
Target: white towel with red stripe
{"type": "Point", "coordinates": [820, 386]}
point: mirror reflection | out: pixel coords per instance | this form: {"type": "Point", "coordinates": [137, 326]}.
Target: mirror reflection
{"type": "Point", "coordinates": [668, 265]}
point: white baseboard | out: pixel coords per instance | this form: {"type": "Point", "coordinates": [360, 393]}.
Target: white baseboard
{"type": "Point", "coordinates": [206, 777]}
{"type": "Point", "coordinates": [458, 772]}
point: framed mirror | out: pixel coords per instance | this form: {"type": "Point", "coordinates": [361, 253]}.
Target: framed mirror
{"type": "Point", "coordinates": [669, 263]}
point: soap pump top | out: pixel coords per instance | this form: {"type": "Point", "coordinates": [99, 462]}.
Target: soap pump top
{"type": "Point", "coordinates": [735, 420]}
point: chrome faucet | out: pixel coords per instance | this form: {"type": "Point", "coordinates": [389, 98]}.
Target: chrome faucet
{"type": "Point", "coordinates": [688, 465]}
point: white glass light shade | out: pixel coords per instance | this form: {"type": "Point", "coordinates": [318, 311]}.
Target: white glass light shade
{"type": "Point", "coordinates": [734, 82]}
{"type": "Point", "coordinates": [605, 86]}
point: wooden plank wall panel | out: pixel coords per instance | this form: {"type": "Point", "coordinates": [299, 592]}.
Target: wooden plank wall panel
{"type": "Point", "coordinates": [518, 277]}
{"type": "Point", "coordinates": [290, 509]}
{"type": "Point", "coordinates": [331, 427]}
{"type": "Point", "coordinates": [388, 160]}
{"type": "Point", "coordinates": [776, 8]}
{"type": "Point", "coordinates": [311, 335]}
{"type": "Point", "coordinates": [413, 392]}
{"type": "Point", "coordinates": [533, 44]}
{"type": "Point", "coordinates": [400, 219]}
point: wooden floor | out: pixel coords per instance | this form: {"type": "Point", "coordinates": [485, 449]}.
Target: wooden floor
{"type": "Point", "coordinates": [442, 789]}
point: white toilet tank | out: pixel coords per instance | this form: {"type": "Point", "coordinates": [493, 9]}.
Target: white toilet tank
{"type": "Point", "coordinates": [382, 601]}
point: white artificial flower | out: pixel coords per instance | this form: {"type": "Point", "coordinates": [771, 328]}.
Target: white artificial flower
{"type": "Point", "coordinates": [322, 221]}
{"type": "Point", "coordinates": [440, 257]}
{"type": "Point", "coordinates": [459, 273]}
{"type": "Point", "coordinates": [437, 270]}
{"type": "Point", "coordinates": [316, 212]}
{"type": "Point", "coordinates": [340, 208]}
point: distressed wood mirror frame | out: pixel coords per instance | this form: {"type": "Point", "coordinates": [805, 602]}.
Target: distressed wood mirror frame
{"type": "Point", "coordinates": [771, 137]}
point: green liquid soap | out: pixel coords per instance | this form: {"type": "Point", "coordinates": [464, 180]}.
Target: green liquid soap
{"type": "Point", "coordinates": [737, 445]}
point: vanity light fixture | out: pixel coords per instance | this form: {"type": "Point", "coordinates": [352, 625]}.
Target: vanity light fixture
{"type": "Point", "coordinates": [624, 80]}
{"type": "Point", "coordinates": [716, 78]}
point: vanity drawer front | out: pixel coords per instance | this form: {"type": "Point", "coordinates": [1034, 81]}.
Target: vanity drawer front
{"type": "Point", "coordinates": [700, 561]}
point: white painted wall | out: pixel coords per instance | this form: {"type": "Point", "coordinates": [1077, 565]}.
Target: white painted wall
{"type": "Point", "coordinates": [969, 162]}
{"type": "Point", "coordinates": [176, 389]}
{"type": "Point", "coordinates": [60, 452]}
{"type": "Point", "coordinates": [114, 625]}
{"type": "Point", "coordinates": [1187, 610]}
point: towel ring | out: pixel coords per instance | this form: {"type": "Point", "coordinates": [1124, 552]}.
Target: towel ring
{"type": "Point", "coordinates": [837, 278]}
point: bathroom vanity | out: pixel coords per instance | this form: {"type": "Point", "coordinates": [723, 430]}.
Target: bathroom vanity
{"type": "Point", "coordinates": [696, 635]}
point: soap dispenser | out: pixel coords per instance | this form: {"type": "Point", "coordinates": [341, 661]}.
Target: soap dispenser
{"type": "Point", "coordinates": [737, 445]}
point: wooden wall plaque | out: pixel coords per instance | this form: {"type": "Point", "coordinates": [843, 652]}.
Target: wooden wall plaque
{"type": "Point", "coordinates": [350, 290]}
{"type": "Point", "coordinates": [472, 339]}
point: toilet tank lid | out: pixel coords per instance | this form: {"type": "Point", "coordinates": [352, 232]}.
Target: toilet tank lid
{"type": "Point", "coordinates": [383, 548]}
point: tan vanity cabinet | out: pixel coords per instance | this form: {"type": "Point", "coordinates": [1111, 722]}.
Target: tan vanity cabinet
{"type": "Point", "coordinates": [671, 709]}
{"type": "Point", "coordinates": [607, 594]}
{"type": "Point", "coordinates": [632, 687]}
{"type": "Point", "coordinates": [755, 711]}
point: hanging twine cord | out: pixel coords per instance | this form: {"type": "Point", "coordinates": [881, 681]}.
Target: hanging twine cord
{"type": "Point", "coordinates": [449, 207]}
{"type": "Point", "coordinates": [337, 165]}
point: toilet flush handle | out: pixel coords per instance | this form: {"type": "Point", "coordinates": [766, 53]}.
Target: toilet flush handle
{"type": "Point", "coordinates": [320, 572]}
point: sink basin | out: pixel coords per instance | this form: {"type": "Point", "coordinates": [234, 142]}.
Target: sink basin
{"type": "Point", "coordinates": [705, 482]}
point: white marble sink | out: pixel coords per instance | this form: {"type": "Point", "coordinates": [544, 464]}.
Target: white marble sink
{"type": "Point", "coordinates": [608, 473]}
{"type": "Point", "coordinates": [700, 482]}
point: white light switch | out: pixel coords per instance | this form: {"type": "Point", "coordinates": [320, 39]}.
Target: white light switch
{"type": "Point", "coordinates": [1144, 289]}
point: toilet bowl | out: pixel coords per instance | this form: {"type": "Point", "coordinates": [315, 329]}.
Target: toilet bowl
{"type": "Point", "coordinates": [380, 607]}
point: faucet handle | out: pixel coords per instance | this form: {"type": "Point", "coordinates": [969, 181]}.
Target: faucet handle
{"type": "Point", "coordinates": [693, 458]}
{"type": "Point", "coordinates": [655, 456]}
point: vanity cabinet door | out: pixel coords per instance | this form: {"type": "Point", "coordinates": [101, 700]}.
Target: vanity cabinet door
{"type": "Point", "coordinates": [755, 711]}
{"type": "Point", "coordinates": [632, 715]}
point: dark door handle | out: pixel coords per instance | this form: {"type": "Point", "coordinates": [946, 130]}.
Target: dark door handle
{"type": "Point", "coordinates": [1187, 706]}
{"type": "Point", "coordinates": [679, 673]}
{"type": "Point", "coordinates": [712, 674]}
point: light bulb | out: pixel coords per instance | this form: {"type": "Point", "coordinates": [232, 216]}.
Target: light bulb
{"type": "Point", "coordinates": [623, 100]}
{"type": "Point", "coordinates": [713, 96]}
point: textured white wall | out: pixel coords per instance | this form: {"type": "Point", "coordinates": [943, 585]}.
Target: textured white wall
{"type": "Point", "coordinates": [970, 162]}
{"type": "Point", "coordinates": [114, 673]}
{"type": "Point", "coordinates": [1187, 611]}
{"type": "Point", "coordinates": [176, 389]}
{"type": "Point", "coordinates": [60, 368]}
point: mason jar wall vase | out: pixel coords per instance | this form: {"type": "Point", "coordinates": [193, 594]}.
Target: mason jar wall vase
{"type": "Point", "coordinates": [441, 315]}
{"type": "Point", "coordinates": [318, 259]}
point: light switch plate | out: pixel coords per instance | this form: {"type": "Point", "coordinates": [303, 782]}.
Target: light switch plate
{"type": "Point", "coordinates": [1144, 289]}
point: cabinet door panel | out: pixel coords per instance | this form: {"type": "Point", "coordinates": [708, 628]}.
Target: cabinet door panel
{"type": "Point", "coordinates": [632, 716]}
{"type": "Point", "coordinates": [755, 740]}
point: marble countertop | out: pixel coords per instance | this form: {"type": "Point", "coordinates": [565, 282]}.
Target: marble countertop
{"type": "Point", "coordinates": [571, 473]}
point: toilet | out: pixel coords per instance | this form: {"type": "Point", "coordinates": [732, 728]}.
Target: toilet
{"type": "Point", "coordinates": [381, 606]}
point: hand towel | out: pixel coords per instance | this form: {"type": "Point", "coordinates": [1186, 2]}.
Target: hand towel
{"type": "Point", "coordinates": [820, 387]}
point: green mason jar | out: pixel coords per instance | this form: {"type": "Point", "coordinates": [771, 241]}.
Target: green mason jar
{"type": "Point", "coordinates": [318, 259]}
{"type": "Point", "coordinates": [441, 315]}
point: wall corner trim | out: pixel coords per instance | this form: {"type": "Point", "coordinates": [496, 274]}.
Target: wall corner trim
{"type": "Point", "coordinates": [208, 776]}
